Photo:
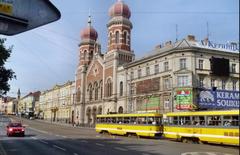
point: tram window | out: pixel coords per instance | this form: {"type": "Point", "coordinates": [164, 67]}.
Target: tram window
{"type": "Point", "coordinates": [141, 120]}
{"type": "Point", "coordinates": [158, 120]}
{"type": "Point", "coordinates": [230, 120]}
{"type": "Point", "coordinates": [184, 120]}
{"type": "Point", "coordinates": [114, 120]}
{"type": "Point", "coordinates": [108, 120]}
{"type": "Point", "coordinates": [151, 120]}
{"type": "Point", "coordinates": [214, 121]}
{"type": "Point", "coordinates": [133, 120]}
{"type": "Point", "coordinates": [119, 120]}
{"type": "Point", "coordinates": [98, 120]}
{"type": "Point", "coordinates": [103, 120]}
{"type": "Point", "coordinates": [235, 120]}
{"type": "Point", "coordinates": [198, 120]}
{"type": "Point", "coordinates": [175, 120]}
{"type": "Point", "coordinates": [126, 120]}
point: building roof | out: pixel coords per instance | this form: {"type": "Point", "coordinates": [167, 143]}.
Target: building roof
{"type": "Point", "coordinates": [188, 43]}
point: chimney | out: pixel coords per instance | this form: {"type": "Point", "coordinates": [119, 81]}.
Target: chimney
{"type": "Point", "coordinates": [168, 43]}
{"type": "Point", "coordinates": [158, 46]}
{"type": "Point", "coordinates": [205, 41]}
{"type": "Point", "coordinates": [191, 37]}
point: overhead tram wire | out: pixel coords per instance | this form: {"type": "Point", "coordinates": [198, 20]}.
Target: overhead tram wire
{"type": "Point", "coordinates": [159, 12]}
{"type": "Point", "coordinates": [56, 44]}
{"type": "Point", "coordinates": [25, 47]}
{"type": "Point", "coordinates": [64, 35]}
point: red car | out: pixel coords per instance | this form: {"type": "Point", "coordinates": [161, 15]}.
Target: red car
{"type": "Point", "coordinates": [15, 129]}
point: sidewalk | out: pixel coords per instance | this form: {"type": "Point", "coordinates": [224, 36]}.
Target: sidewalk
{"type": "Point", "coordinates": [65, 124]}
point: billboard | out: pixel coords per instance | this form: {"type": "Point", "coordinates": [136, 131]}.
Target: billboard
{"type": "Point", "coordinates": [148, 104]}
{"type": "Point", "coordinates": [184, 99]}
{"type": "Point", "coordinates": [219, 99]}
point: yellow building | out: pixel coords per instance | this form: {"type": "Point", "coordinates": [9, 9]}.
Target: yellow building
{"type": "Point", "coordinates": [27, 103]}
{"type": "Point", "coordinates": [57, 103]}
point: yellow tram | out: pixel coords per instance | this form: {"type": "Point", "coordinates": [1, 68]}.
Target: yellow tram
{"type": "Point", "coordinates": [148, 125]}
{"type": "Point", "coordinates": [220, 127]}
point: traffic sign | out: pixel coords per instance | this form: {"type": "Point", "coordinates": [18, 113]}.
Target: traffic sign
{"type": "Point", "coordinates": [17, 16]}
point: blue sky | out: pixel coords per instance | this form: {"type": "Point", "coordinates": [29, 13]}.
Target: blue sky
{"type": "Point", "coordinates": [48, 55]}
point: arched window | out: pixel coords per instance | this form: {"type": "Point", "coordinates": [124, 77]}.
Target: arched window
{"type": "Point", "coordinates": [121, 88]}
{"type": "Point", "coordinates": [120, 110]}
{"type": "Point", "coordinates": [91, 54]}
{"type": "Point", "coordinates": [110, 38]}
{"type": "Point", "coordinates": [90, 91]}
{"type": "Point", "coordinates": [78, 95]}
{"type": "Point", "coordinates": [117, 37]}
{"type": "Point", "coordinates": [109, 87]}
{"type": "Point", "coordinates": [125, 37]}
{"type": "Point", "coordinates": [85, 54]}
{"type": "Point", "coordinates": [96, 90]}
{"type": "Point", "coordinates": [101, 89]}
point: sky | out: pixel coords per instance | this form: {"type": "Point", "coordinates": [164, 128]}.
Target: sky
{"type": "Point", "coordinates": [48, 55]}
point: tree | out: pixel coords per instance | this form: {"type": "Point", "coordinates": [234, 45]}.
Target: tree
{"type": "Point", "coordinates": [5, 74]}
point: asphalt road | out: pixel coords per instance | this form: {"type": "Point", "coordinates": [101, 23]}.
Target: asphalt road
{"type": "Point", "coordinates": [50, 139]}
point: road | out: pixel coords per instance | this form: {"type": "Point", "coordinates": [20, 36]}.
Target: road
{"type": "Point", "coordinates": [44, 138]}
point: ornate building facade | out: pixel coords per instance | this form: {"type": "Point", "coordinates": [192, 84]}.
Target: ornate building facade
{"type": "Point", "coordinates": [168, 79]}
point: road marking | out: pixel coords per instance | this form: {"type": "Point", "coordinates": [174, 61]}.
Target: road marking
{"type": "Point", "coordinates": [119, 148]}
{"type": "Point", "coordinates": [64, 136]}
{"type": "Point", "coordinates": [145, 154]}
{"type": "Point", "coordinates": [75, 154]}
{"type": "Point", "coordinates": [43, 141]}
{"type": "Point", "coordinates": [38, 130]}
{"type": "Point", "coordinates": [99, 144]}
{"type": "Point", "coordinates": [34, 138]}
{"type": "Point", "coordinates": [63, 149]}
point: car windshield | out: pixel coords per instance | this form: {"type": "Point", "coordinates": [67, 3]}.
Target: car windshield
{"type": "Point", "coordinates": [15, 125]}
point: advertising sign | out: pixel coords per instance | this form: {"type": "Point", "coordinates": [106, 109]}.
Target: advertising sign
{"type": "Point", "coordinates": [219, 99]}
{"type": "Point", "coordinates": [149, 104]}
{"type": "Point", "coordinates": [184, 99]}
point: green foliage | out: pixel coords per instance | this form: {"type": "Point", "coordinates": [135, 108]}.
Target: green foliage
{"type": "Point", "coordinates": [5, 74]}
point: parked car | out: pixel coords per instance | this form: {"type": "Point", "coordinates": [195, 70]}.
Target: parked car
{"type": "Point", "coordinates": [15, 129]}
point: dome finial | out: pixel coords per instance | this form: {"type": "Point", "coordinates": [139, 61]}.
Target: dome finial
{"type": "Point", "coordinates": [89, 18]}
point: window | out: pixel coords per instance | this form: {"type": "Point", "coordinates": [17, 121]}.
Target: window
{"type": "Point", "coordinates": [90, 92]}
{"type": "Point", "coordinates": [198, 120]}
{"type": "Point", "coordinates": [184, 120]}
{"type": "Point", "coordinates": [125, 37]}
{"type": "Point", "coordinates": [166, 104]}
{"type": "Point", "coordinates": [166, 67]}
{"type": "Point", "coordinates": [212, 82]}
{"type": "Point", "coordinates": [166, 83]}
{"type": "Point", "coordinates": [139, 73]}
{"type": "Point", "coordinates": [234, 84]}
{"type": "Point", "coordinates": [233, 68]}
{"type": "Point", "coordinates": [213, 121]}
{"type": "Point", "coordinates": [132, 89]}
{"type": "Point", "coordinates": [121, 88]}
{"type": "Point", "coordinates": [183, 63]}
{"type": "Point", "coordinates": [132, 75]}
{"type": "Point", "coordinates": [156, 69]}
{"type": "Point", "coordinates": [101, 89]}
{"type": "Point", "coordinates": [200, 64]}
{"type": "Point", "coordinates": [110, 38]}
{"type": "Point", "coordinates": [230, 121]}
{"type": "Point", "coordinates": [147, 71]}
{"type": "Point", "coordinates": [109, 87]}
{"type": "Point", "coordinates": [223, 84]}
{"type": "Point", "coordinates": [201, 82]}
{"type": "Point", "coordinates": [96, 90]}
{"type": "Point", "coordinates": [117, 37]}
{"type": "Point", "coordinates": [183, 81]}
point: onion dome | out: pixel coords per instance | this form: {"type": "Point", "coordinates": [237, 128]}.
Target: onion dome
{"type": "Point", "coordinates": [89, 32]}
{"type": "Point", "coordinates": [120, 9]}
